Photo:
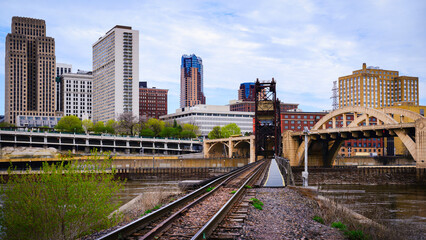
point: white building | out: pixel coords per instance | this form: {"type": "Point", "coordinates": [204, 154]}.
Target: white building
{"type": "Point", "coordinates": [76, 94]}
{"type": "Point", "coordinates": [61, 68]}
{"type": "Point", "coordinates": [206, 117]}
{"type": "Point", "coordinates": [116, 74]}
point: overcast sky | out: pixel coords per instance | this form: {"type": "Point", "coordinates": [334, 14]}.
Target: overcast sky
{"type": "Point", "coordinates": [304, 45]}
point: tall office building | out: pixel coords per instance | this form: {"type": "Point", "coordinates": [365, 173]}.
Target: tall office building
{"type": "Point", "coordinates": [375, 87]}
{"type": "Point", "coordinates": [30, 70]}
{"type": "Point", "coordinates": [116, 74]}
{"type": "Point", "coordinates": [191, 81]}
{"type": "Point", "coordinates": [152, 102]}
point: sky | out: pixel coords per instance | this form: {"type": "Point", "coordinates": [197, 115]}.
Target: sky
{"type": "Point", "coordinates": [304, 45]}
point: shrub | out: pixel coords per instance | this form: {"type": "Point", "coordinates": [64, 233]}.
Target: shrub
{"type": "Point", "coordinates": [339, 225]}
{"type": "Point", "coordinates": [355, 235]}
{"type": "Point", "coordinates": [64, 201]}
{"type": "Point", "coordinates": [318, 219]}
{"type": "Point", "coordinates": [256, 203]}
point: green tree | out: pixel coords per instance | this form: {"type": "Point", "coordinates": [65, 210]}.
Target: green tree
{"type": "Point", "coordinates": [169, 132]}
{"type": "Point", "coordinates": [110, 126]}
{"type": "Point", "coordinates": [156, 125]}
{"type": "Point", "coordinates": [147, 132]}
{"type": "Point", "coordinates": [229, 130]}
{"type": "Point", "coordinates": [191, 128]}
{"type": "Point", "coordinates": [61, 202]}
{"type": "Point", "coordinates": [187, 134]}
{"type": "Point", "coordinates": [69, 124]}
{"type": "Point", "coordinates": [215, 133]}
{"type": "Point", "coordinates": [87, 125]}
{"type": "Point", "coordinates": [6, 125]}
{"type": "Point", "coordinates": [99, 127]}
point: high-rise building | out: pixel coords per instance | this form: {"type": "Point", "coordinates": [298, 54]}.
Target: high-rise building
{"type": "Point", "coordinates": [246, 91]}
{"type": "Point", "coordinates": [61, 68]}
{"type": "Point", "coordinates": [116, 74]}
{"type": "Point", "coordinates": [191, 81]}
{"type": "Point", "coordinates": [152, 102]}
{"type": "Point", "coordinates": [76, 94]}
{"type": "Point", "coordinates": [249, 106]}
{"type": "Point", "coordinates": [30, 70]}
{"type": "Point", "coordinates": [375, 87]}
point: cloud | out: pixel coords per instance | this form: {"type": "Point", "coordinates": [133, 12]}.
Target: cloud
{"type": "Point", "coordinates": [304, 45]}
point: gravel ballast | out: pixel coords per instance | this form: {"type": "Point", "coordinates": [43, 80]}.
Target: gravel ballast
{"type": "Point", "coordinates": [286, 214]}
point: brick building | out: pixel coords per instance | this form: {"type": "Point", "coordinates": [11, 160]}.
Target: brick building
{"type": "Point", "coordinates": [152, 102]}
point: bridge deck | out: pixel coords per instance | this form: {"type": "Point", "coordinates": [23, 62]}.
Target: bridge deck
{"type": "Point", "coordinates": [275, 178]}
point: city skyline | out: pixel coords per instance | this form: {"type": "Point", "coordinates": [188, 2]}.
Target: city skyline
{"type": "Point", "coordinates": [305, 46]}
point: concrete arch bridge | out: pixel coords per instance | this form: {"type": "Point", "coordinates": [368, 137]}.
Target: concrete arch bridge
{"type": "Point", "coordinates": [230, 147]}
{"type": "Point", "coordinates": [324, 143]}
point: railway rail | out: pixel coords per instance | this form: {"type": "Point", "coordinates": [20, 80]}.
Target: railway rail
{"type": "Point", "coordinates": [196, 215]}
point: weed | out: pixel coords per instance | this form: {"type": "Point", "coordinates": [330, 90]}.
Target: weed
{"type": "Point", "coordinates": [356, 235]}
{"type": "Point", "coordinates": [339, 225]}
{"type": "Point", "coordinates": [157, 206]}
{"type": "Point", "coordinates": [256, 203]}
{"type": "Point", "coordinates": [232, 192]}
{"type": "Point", "coordinates": [209, 189]}
{"type": "Point", "coordinates": [146, 212]}
{"type": "Point", "coordinates": [318, 219]}
{"type": "Point", "coordinates": [248, 186]}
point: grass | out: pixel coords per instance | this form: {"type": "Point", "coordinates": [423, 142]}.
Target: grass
{"type": "Point", "coordinates": [318, 219]}
{"type": "Point", "coordinates": [356, 235]}
{"type": "Point", "coordinates": [339, 225]}
{"type": "Point", "coordinates": [256, 203]}
{"type": "Point", "coordinates": [232, 192]}
{"type": "Point", "coordinates": [248, 186]}
{"type": "Point", "coordinates": [209, 189]}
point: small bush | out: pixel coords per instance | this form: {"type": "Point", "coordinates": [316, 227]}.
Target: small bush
{"type": "Point", "coordinates": [318, 219]}
{"type": "Point", "coordinates": [256, 203]}
{"type": "Point", "coordinates": [232, 192]}
{"type": "Point", "coordinates": [339, 225]}
{"type": "Point", "coordinates": [356, 235]}
{"type": "Point", "coordinates": [248, 186]}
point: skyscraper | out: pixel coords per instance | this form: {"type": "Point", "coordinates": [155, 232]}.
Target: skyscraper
{"type": "Point", "coordinates": [246, 91]}
{"type": "Point", "coordinates": [116, 74]}
{"type": "Point", "coordinates": [191, 81]}
{"type": "Point", "coordinates": [61, 68]}
{"type": "Point", "coordinates": [375, 87]}
{"type": "Point", "coordinates": [30, 70]}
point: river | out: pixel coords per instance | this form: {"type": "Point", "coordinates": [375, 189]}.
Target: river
{"type": "Point", "coordinates": [388, 203]}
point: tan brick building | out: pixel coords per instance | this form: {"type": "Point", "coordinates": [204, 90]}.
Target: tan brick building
{"type": "Point", "coordinates": [29, 70]}
{"type": "Point", "coordinates": [375, 87]}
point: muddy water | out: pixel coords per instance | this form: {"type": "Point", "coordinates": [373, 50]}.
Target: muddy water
{"type": "Point", "coordinates": [390, 203]}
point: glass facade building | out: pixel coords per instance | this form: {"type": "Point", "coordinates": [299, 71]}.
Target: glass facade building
{"type": "Point", "coordinates": [191, 83]}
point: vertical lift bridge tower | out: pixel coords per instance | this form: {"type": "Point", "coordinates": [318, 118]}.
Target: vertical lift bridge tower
{"type": "Point", "coordinates": [267, 120]}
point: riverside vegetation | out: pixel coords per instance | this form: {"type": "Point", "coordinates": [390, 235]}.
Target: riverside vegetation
{"type": "Point", "coordinates": [64, 200]}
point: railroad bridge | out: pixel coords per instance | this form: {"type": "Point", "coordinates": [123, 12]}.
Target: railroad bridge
{"type": "Point", "coordinates": [230, 147]}
{"type": "Point", "coordinates": [324, 143]}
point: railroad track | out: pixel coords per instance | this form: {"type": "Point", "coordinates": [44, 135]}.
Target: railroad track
{"type": "Point", "coordinates": [196, 215]}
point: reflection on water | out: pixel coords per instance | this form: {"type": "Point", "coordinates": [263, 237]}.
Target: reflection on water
{"type": "Point", "coordinates": [133, 188]}
{"type": "Point", "coordinates": [393, 203]}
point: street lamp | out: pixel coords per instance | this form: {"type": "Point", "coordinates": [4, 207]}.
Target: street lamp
{"type": "Point", "coordinates": [305, 173]}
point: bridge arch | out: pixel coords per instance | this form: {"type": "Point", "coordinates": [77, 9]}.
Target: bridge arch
{"type": "Point", "coordinates": [361, 115]}
{"type": "Point", "coordinates": [218, 149]}
{"type": "Point", "coordinates": [242, 148]}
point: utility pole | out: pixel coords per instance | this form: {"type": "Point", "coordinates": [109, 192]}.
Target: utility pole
{"type": "Point", "coordinates": [305, 173]}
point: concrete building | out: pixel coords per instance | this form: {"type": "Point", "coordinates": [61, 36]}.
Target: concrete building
{"type": "Point", "coordinates": [62, 68]}
{"type": "Point", "coordinates": [206, 117]}
{"type": "Point", "coordinates": [29, 70]}
{"type": "Point", "coordinates": [116, 74]}
{"type": "Point", "coordinates": [152, 102]}
{"type": "Point", "coordinates": [191, 81]}
{"type": "Point", "coordinates": [375, 87]}
{"type": "Point", "coordinates": [76, 94]}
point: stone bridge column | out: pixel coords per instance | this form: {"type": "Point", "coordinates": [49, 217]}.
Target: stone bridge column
{"type": "Point", "coordinates": [421, 143]}
{"type": "Point", "coordinates": [290, 147]}
{"type": "Point", "coordinates": [206, 147]}
{"type": "Point", "coordinates": [252, 150]}
{"type": "Point", "coordinates": [231, 148]}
